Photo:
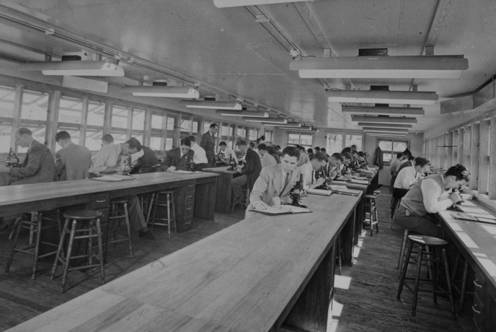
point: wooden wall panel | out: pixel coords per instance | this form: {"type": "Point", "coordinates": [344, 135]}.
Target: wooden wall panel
{"type": "Point", "coordinates": [492, 156]}
{"type": "Point", "coordinates": [474, 154]}
{"type": "Point", "coordinates": [484, 157]}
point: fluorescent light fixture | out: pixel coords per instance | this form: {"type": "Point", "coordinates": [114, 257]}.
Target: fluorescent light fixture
{"type": "Point", "coordinates": [165, 92]}
{"type": "Point", "coordinates": [396, 67]}
{"type": "Point", "coordinates": [385, 129]}
{"type": "Point", "coordinates": [383, 110]}
{"type": "Point", "coordinates": [382, 97]}
{"type": "Point", "coordinates": [75, 68]}
{"type": "Point", "coordinates": [216, 105]}
{"type": "Point", "coordinates": [241, 3]}
{"type": "Point", "coordinates": [268, 120]}
{"type": "Point", "coordinates": [247, 114]}
{"type": "Point", "coordinates": [289, 125]}
{"type": "Point", "coordinates": [382, 119]}
{"type": "Point", "coordinates": [386, 134]}
{"type": "Point", "coordinates": [389, 125]}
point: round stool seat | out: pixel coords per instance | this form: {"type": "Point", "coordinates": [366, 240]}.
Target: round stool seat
{"type": "Point", "coordinates": [82, 214]}
{"type": "Point", "coordinates": [427, 240]}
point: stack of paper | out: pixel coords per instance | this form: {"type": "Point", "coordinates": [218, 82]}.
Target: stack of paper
{"type": "Point", "coordinates": [321, 192]}
{"type": "Point", "coordinates": [283, 209]}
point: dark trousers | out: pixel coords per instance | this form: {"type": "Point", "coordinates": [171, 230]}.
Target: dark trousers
{"type": "Point", "coordinates": [425, 225]}
{"type": "Point", "coordinates": [396, 198]}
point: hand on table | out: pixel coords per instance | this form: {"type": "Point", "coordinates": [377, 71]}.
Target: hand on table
{"type": "Point", "coordinates": [455, 198]}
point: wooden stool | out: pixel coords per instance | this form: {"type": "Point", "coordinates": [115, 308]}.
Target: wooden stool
{"type": "Point", "coordinates": [401, 256]}
{"type": "Point", "coordinates": [434, 250]}
{"type": "Point", "coordinates": [371, 217]}
{"type": "Point", "coordinates": [118, 214]}
{"type": "Point", "coordinates": [36, 224]}
{"type": "Point", "coordinates": [80, 225]}
{"type": "Point", "coordinates": [159, 201]}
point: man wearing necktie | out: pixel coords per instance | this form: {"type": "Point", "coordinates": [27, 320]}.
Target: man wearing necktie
{"type": "Point", "coordinates": [275, 182]}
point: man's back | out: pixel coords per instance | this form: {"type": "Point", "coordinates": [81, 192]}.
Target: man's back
{"type": "Point", "coordinates": [73, 162]}
{"type": "Point", "coordinates": [38, 166]}
{"type": "Point", "coordinates": [147, 163]}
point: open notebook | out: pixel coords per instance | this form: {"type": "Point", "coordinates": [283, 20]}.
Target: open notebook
{"type": "Point", "coordinates": [283, 209]}
{"type": "Point", "coordinates": [343, 190]}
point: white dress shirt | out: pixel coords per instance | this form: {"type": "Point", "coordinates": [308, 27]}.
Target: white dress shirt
{"type": "Point", "coordinates": [307, 170]}
{"type": "Point", "coordinates": [435, 198]}
{"type": "Point", "coordinates": [200, 156]}
{"type": "Point", "coordinates": [107, 157]}
{"type": "Point", "coordinates": [406, 177]}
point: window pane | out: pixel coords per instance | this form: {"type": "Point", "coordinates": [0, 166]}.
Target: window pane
{"type": "Point", "coordinates": [195, 127]}
{"type": "Point", "coordinates": [155, 143]}
{"type": "Point", "coordinates": [96, 113]}
{"type": "Point", "coordinates": [157, 121]}
{"type": "Point", "coordinates": [138, 119]}
{"type": "Point", "coordinates": [386, 145]}
{"type": "Point", "coordinates": [293, 139]}
{"type": "Point", "coordinates": [252, 134]}
{"type": "Point", "coordinates": [387, 157]}
{"type": "Point", "coordinates": [226, 131]}
{"type": "Point", "coordinates": [70, 110]}
{"type": "Point", "coordinates": [94, 139]}
{"type": "Point", "coordinates": [7, 97]}
{"type": "Point", "coordinates": [119, 137]}
{"type": "Point", "coordinates": [334, 143]}
{"type": "Point", "coordinates": [241, 132]}
{"type": "Point", "coordinates": [306, 140]}
{"type": "Point", "coordinates": [268, 136]}
{"type": "Point", "coordinates": [119, 116]}
{"type": "Point", "coordinates": [34, 105]}
{"type": "Point", "coordinates": [186, 125]}
{"type": "Point", "coordinates": [169, 143]}
{"type": "Point", "coordinates": [5, 131]}
{"type": "Point", "coordinates": [171, 122]}
{"type": "Point", "coordinates": [354, 140]}
{"type": "Point", "coordinates": [399, 146]}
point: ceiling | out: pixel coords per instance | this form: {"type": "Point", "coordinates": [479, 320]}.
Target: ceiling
{"type": "Point", "coordinates": [228, 49]}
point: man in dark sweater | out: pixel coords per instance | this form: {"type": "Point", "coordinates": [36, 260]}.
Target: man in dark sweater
{"type": "Point", "coordinates": [146, 160]}
{"type": "Point", "coordinates": [249, 172]}
{"type": "Point", "coordinates": [208, 143]}
{"type": "Point", "coordinates": [180, 158]}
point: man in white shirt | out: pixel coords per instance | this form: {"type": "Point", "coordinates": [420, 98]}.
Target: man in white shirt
{"type": "Point", "coordinates": [429, 196]}
{"type": "Point", "coordinates": [226, 154]}
{"type": "Point", "coordinates": [200, 156]}
{"type": "Point", "coordinates": [108, 156]}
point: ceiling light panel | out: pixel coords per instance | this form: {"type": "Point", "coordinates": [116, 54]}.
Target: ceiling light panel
{"type": "Point", "coordinates": [382, 97]}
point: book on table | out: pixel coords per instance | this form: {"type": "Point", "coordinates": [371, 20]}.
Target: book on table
{"type": "Point", "coordinates": [283, 209]}
{"type": "Point", "coordinates": [320, 192]}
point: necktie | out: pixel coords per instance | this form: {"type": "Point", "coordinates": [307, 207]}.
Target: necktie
{"type": "Point", "coordinates": [286, 182]}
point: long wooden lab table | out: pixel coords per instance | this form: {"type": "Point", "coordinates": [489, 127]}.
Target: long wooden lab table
{"type": "Point", "coordinates": [477, 243]}
{"type": "Point", "coordinates": [97, 194]}
{"type": "Point", "coordinates": [260, 274]}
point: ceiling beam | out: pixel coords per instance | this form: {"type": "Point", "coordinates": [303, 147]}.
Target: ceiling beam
{"type": "Point", "coordinates": [383, 110]}
{"type": "Point", "coordinates": [382, 119]}
{"type": "Point", "coordinates": [382, 97]}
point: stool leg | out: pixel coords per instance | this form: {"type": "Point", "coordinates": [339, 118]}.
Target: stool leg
{"type": "Point", "coordinates": [174, 225]}
{"type": "Point", "coordinates": [100, 250]}
{"type": "Point", "coordinates": [464, 285]}
{"type": "Point", "coordinates": [402, 249]}
{"type": "Point", "coordinates": [33, 218]}
{"type": "Point", "coordinates": [128, 229]}
{"type": "Point", "coordinates": [68, 256]}
{"type": "Point", "coordinates": [432, 274]}
{"type": "Point", "coordinates": [90, 242]}
{"type": "Point", "coordinates": [169, 222]}
{"type": "Point", "coordinates": [17, 231]}
{"type": "Point", "coordinates": [448, 280]}
{"type": "Point", "coordinates": [404, 268]}
{"type": "Point", "coordinates": [150, 208]}
{"type": "Point", "coordinates": [417, 281]}
{"type": "Point", "coordinates": [59, 248]}
{"type": "Point", "coordinates": [36, 247]}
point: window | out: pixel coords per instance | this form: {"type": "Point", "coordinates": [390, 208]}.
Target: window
{"type": "Point", "coordinates": [138, 122]}
{"type": "Point", "coordinates": [169, 143]}
{"type": "Point", "coordinates": [186, 125]}
{"type": "Point", "coordinates": [334, 143]}
{"type": "Point", "coordinates": [354, 140]}
{"type": "Point", "coordinates": [5, 131]}
{"type": "Point", "coordinates": [34, 105]}
{"type": "Point", "coordinates": [171, 121]}
{"type": "Point", "coordinates": [269, 136]}
{"type": "Point", "coordinates": [391, 147]}
{"type": "Point", "coordinates": [120, 115]}
{"type": "Point", "coordinates": [70, 110]}
{"type": "Point", "coordinates": [301, 139]}
{"type": "Point", "coordinates": [157, 121]}
{"type": "Point", "coordinates": [156, 143]}
{"type": "Point", "coordinates": [195, 127]}
{"type": "Point", "coordinates": [93, 139]}
{"type": "Point", "coordinates": [7, 99]}
{"type": "Point", "coordinates": [226, 130]}
{"type": "Point", "coordinates": [241, 132]}
{"type": "Point", "coordinates": [252, 134]}
{"type": "Point", "coordinates": [96, 113]}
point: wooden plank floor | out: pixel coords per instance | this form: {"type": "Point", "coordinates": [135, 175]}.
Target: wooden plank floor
{"type": "Point", "coordinates": [365, 297]}
{"type": "Point", "coordinates": [366, 293]}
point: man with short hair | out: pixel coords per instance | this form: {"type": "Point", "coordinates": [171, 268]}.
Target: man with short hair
{"type": "Point", "coordinates": [273, 186]}
{"type": "Point", "coordinates": [208, 143]}
{"type": "Point", "coordinates": [180, 158]}
{"type": "Point", "coordinates": [226, 154]}
{"type": "Point", "coordinates": [251, 169]}
{"type": "Point", "coordinates": [267, 158]}
{"type": "Point", "coordinates": [200, 159]}
{"type": "Point", "coordinates": [38, 165]}
{"type": "Point", "coordinates": [143, 159]}
{"type": "Point", "coordinates": [107, 159]}
{"type": "Point", "coordinates": [72, 161]}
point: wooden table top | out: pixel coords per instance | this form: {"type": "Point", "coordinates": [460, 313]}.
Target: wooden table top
{"type": "Point", "coordinates": [25, 193]}
{"type": "Point", "coordinates": [239, 279]}
{"type": "Point", "coordinates": [220, 169]}
{"type": "Point", "coordinates": [478, 240]}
